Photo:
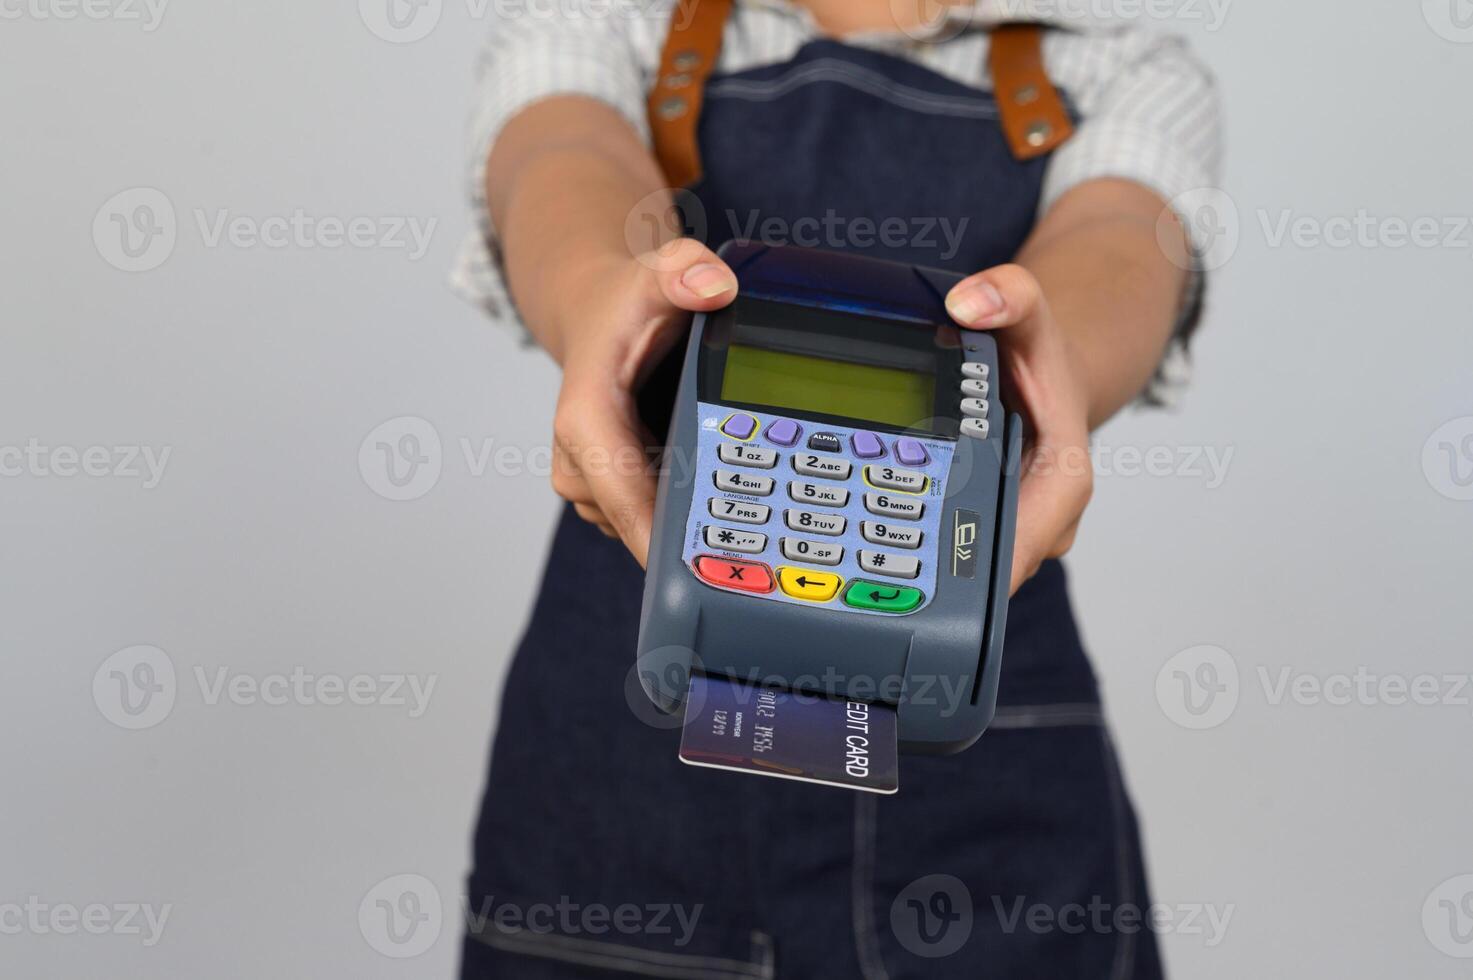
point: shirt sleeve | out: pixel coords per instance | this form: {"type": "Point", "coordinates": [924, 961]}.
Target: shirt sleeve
{"type": "Point", "coordinates": [1151, 115]}
{"type": "Point", "coordinates": [532, 55]}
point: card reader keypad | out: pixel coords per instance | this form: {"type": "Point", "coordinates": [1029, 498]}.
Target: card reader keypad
{"type": "Point", "coordinates": [819, 515]}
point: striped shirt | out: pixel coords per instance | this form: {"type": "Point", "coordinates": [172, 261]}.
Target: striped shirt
{"type": "Point", "coordinates": [1149, 110]}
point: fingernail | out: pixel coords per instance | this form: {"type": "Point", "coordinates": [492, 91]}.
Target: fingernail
{"type": "Point", "coordinates": [707, 280]}
{"type": "Point", "coordinates": [975, 304]}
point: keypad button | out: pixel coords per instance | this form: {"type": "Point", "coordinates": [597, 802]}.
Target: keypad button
{"type": "Point", "coordinates": [745, 454]}
{"type": "Point", "coordinates": [813, 493]}
{"type": "Point", "coordinates": [817, 552]}
{"type": "Point", "coordinates": [828, 467]}
{"type": "Point", "coordinates": [975, 428]}
{"type": "Point", "coordinates": [884, 563]}
{"type": "Point", "coordinates": [976, 370]}
{"type": "Point", "coordinates": [739, 426]}
{"type": "Point", "coordinates": [739, 511]}
{"type": "Point", "coordinates": [825, 442]}
{"type": "Point", "coordinates": [802, 520]}
{"type": "Point", "coordinates": [883, 504]}
{"type": "Point", "coordinates": [891, 478]}
{"type": "Point", "coordinates": [974, 407]}
{"type": "Point", "coordinates": [784, 432]}
{"type": "Point", "coordinates": [733, 481]}
{"type": "Point", "coordinates": [973, 388]}
{"type": "Point", "coordinates": [748, 576]}
{"type": "Point", "coordinates": [910, 452]}
{"type": "Point", "coordinates": [866, 445]}
{"type": "Point", "coordinates": [894, 535]}
{"type": "Point", "coordinates": [806, 583]}
{"type": "Point", "coordinates": [730, 539]}
{"type": "Point", "coordinates": [885, 598]}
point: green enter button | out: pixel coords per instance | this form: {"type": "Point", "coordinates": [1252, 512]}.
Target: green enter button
{"type": "Point", "coordinates": [885, 598]}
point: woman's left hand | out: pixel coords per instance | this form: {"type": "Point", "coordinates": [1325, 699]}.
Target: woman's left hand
{"type": "Point", "coordinates": [1058, 474]}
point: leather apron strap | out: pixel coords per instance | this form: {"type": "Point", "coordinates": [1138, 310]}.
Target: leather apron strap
{"type": "Point", "coordinates": [1033, 116]}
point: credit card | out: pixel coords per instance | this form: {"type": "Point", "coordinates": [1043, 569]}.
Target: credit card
{"type": "Point", "coordinates": [773, 732]}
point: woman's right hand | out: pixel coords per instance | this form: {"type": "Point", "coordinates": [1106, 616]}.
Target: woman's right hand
{"type": "Point", "coordinates": [627, 316]}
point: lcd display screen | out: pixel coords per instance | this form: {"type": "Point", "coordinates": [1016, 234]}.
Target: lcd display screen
{"type": "Point", "coordinates": [804, 383]}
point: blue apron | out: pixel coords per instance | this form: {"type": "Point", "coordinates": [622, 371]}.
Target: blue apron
{"type": "Point", "coordinates": [598, 853]}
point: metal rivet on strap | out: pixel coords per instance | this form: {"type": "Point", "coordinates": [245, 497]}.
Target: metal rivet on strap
{"type": "Point", "coordinates": [1026, 95]}
{"type": "Point", "coordinates": [680, 80]}
{"type": "Point", "coordinates": [673, 108]}
{"type": "Point", "coordinates": [1038, 133]}
{"type": "Point", "coordinates": [686, 61]}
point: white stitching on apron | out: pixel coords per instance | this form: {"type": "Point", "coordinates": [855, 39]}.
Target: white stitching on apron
{"type": "Point", "coordinates": [866, 943]}
{"type": "Point", "coordinates": [629, 959]}
{"type": "Point", "coordinates": [873, 83]}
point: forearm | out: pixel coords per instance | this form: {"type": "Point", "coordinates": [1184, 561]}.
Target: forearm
{"type": "Point", "coordinates": [561, 204]}
{"type": "Point", "coordinates": [1113, 291]}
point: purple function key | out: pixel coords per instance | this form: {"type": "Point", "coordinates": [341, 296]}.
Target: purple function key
{"type": "Point", "coordinates": [867, 445]}
{"type": "Point", "coordinates": [739, 426]}
{"type": "Point", "coordinates": [910, 452]}
{"type": "Point", "coordinates": [784, 432]}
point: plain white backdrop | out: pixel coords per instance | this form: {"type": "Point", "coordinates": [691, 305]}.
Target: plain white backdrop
{"type": "Point", "coordinates": [245, 689]}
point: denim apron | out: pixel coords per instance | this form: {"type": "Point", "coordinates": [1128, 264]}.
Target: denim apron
{"type": "Point", "coordinates": [598, 853]}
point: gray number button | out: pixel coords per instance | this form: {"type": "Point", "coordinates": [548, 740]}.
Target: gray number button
{"type": "Point", "coordinates": [894, 535]}
{"type": "Point", "coordinates": [973, 388]}
{"type": "Point", "coordinates": [974, 407]}
{"type": "Point", "coordinates": [741, 454]}
{"type": "Point", "coordinates": [818, 552]}
{"type": "Point", "coordinates": [812, 493]}
{"type": "Point", "coordinates": [730, 539]}
{"type": "Point", "coordinates": [887, 506]}
{"type": "Point", "coordinates": [880, 563]}
{"type": "Point", "coordinates": [802, 520]}
{"type": "Point", "coordinates": [733, 482]}
{"type": "Point", "coordinates": [976, 370]}
{"type": "Point", "coordinates": [829, 467]}
{"type": "Point", "coordinates": [976, 428]}
{"type": "Point", "coordinates": [894, 478]}
{"type": "Point", "coordinates": [739, 511]}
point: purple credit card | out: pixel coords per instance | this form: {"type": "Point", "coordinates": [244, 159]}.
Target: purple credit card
{"type": "Point", "coordinates": [773, 732]}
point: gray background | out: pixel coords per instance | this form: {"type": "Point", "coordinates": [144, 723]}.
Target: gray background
{"type": "Point", "coordinates": [1333, 544]}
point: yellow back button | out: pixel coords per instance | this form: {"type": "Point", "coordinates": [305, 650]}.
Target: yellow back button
{"type": "Point", "coordinates": [805, 583]}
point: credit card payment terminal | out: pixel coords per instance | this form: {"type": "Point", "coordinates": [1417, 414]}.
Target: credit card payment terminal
{"type": "Point", "coordinates": [837, 498]}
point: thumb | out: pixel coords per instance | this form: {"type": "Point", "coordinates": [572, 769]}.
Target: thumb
{"type": "Point", "coordinates": [691, 277]}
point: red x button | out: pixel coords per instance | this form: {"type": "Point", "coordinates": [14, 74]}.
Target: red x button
{"type": "Point", "coordinates": [747, 576]}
